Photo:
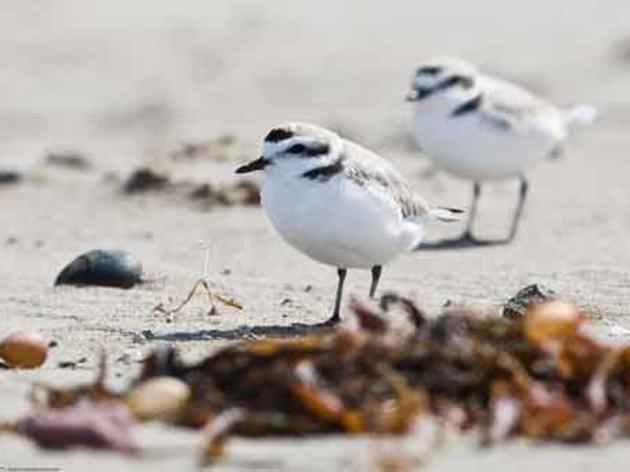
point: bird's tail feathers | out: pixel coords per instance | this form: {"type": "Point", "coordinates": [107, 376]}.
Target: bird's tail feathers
{"type": "Point", "coordinates": [581, 114]}
{"type": "Point", "coordinates": [446, 214]}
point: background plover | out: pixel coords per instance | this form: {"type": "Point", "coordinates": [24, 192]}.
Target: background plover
{"type": "Point", "coordinates": [482, 128]}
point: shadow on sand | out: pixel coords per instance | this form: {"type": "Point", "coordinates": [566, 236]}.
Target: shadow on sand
{"type": "Point", "coordinates": [460, 243]}
{"type": "Point", "coordinates": [243, 332]}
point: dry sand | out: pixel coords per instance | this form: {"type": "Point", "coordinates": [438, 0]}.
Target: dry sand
{"type": "Point", "coordinates": [124, 82]}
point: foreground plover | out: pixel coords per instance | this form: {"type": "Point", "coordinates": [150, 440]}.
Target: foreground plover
{"type": "Point", "coordinates": [482, 128]}
{"type": "Point", "coordinates": [339, 203]}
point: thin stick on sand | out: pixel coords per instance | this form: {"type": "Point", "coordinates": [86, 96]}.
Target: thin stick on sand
{"type": "Point", "coordinates": [203, 283]}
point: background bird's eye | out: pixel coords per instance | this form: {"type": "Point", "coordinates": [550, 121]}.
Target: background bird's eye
{"type": "Point", "coordinates": [454, 80]}
{"type": "Point", "coordinates": [428, 70]}
{"type": "Point", "coordinates": [461, 80]}
{"type": "Point", "coordinates": [296, 149]}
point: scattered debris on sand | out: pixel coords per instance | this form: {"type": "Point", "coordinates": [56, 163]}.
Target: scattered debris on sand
{"type": "Point", "coordinates": [202, 285]}
{"type": "Point", "coordinates": [541, 376]}
{"type": "Point", "coordinates": [225, 147]}
{"type": "Point", "coordinates": [242, 193]}
{"type": "Point", "coordinates": [101, 425]}
{"type": "Point", "coordinates": [68, 158]}
{"type": "Point", "coordinates": [145, 179]}
{"type": "Point", "coordinates": [102, 267]}
{"type": "Point", "coordinates": [88, 416]}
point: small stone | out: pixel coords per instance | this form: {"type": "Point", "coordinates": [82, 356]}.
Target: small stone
{"type": "Point", "coordinates": [553, 320]}
{"type": "Point", "coordinates": [71, 364]}
{"type": "Point", "coordinates": [525, 298]}
{"type": "Point", "coordinates": [25, 350]}
{"type": "Point", "coordinates": [158, 397]}
{"type": "Point", "coordinates": [124, 358]}
{"type": "Point", "coordinates": [148, 334]}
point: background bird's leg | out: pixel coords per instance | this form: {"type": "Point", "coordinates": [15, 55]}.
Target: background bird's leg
{"type": "Point", "coordinates": [376, 275]}
{"type": "Point", "coordinates": [472, 212]}
{"type": "Point", "coordinates": [335, 316]}
{"type": "Point", "coordinates": [519, 209]}
{"type": "Point", "coordinates": [466, 240]}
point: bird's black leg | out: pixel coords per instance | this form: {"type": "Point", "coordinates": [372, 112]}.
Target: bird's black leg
{"type": "Point", "coordinates": [519, 209]}
{"type": "Point", "coordinates": [376, 275]}
{"type": "Point", "coordinates": [335, 318]}
{"type": "Point", "coordinates": [467, 240]}
{"type": "Point", "coordinates": [472, 213]}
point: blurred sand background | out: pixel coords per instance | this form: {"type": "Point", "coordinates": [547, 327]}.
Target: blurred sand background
{"type": "Point", "coordinates": [125, 82]}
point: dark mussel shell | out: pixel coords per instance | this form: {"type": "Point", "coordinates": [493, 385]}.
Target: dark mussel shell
{"type": "Point", "coordinates": [107, 268]}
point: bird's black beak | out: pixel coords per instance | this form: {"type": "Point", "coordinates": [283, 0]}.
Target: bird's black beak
{"type": "Point", "coordinates": [417, 94]}
{"type": "Point", "coordinates": [258, 164]}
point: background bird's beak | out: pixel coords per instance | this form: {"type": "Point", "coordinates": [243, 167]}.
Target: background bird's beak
{"type": "Point", "coordinates": [412, 96]}
{"type": "Point", "coordinates": [258, 164]}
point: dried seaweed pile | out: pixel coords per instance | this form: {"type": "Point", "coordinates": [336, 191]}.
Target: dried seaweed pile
{"type": "Point", "coordinates": [540, 376]}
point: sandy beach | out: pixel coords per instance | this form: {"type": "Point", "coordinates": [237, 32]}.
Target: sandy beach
{"type": "Point", "coordinates": [124, 84]}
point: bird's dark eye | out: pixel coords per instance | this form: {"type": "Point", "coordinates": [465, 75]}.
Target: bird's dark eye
{"type": "Point", "coordinates": [463, 80]}
{"type": "Point", "coordinates": [451, 81]}
{"type": "Point", "coordinates": [297, 149]}
{"type": "Point", "coordinates": [428, 70]}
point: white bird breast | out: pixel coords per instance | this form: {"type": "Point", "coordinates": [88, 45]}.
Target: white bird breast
{"type": "Point", "coordinates": [472, 147]}
{"type": "Point", "coordinates": [338, 222]}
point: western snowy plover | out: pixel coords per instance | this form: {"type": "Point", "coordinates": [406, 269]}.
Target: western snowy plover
{"type": "Point", "coordinates": [338, 202]}
{"type": "Point", "coordinates": [482, 128]}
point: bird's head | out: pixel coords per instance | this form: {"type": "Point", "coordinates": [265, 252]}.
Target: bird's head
{"type": "Point", "coordinates": [439, 78]}
{"type": "Point", "coordinates": [292, 149]}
